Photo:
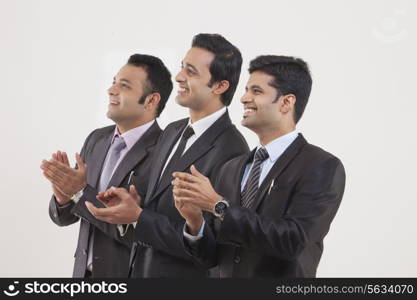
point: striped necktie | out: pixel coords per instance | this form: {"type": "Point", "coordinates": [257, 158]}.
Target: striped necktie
{"type": "Point", "coordinates": [252, 184]}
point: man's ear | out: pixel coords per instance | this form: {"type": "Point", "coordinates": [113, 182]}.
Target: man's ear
{"type": "Point", "coordinates": [220, 87]}
{"type": "Point", "coordinates": [152, 101]}
{"type": "Point", "coordinates": [288, 102]}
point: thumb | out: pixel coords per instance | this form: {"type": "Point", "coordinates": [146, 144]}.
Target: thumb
{"type": "Point", "coordinates": [195, 172]}
{"type": "Point", "coordinates": [134, 193]}
{"type": "Point", "coordinates": [81, 165]}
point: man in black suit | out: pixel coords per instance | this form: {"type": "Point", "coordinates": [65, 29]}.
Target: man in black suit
{"type": "Point", "coordinates": [274, 205]}
{"type": "Point", "coordinates": [207, 81]}
{"type": "Point", "coordinates": [116, 155]}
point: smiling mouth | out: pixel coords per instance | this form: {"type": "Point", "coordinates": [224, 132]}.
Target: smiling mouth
{"type": "Point", "coordinates": [182, 90]}
{"type": "Point", "coordinates": [248, 111]}
{"type": "Point", "coordinates": [113, 103]}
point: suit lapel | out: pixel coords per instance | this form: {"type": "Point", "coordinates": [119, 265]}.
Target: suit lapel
{"type": "Point", "coordinates": [165, 150]}
{"type": "Point", "coordinates": [198, 149]}
{"type": "Point", "coordinates": [289, 154]}
{"type": "Point", "coordinates": [137, 153]}
{"type": "Point", "coordinates": [98, 155]}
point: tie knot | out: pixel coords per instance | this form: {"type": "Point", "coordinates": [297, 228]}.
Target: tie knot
{"type": "Point", "coordinates": [118, 143]}
{"type": "Point", "coordinates": [261, 154]}
{"type": "Point", "coordinates": [188, 132]}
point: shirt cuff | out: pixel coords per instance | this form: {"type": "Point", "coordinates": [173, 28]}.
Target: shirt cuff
{"type": "Point", "coordinates": [193, 238]}
{"type": "Point", "coordinates": [77, 196]}
{"type": "Point", "coordinates": [123, 228]}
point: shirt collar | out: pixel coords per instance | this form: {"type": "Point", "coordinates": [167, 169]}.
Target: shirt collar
{"type": "Point", "coordinates": [203, 124]}
{"type": "Point", "coordinates": [133, 135]}
{"type": "Point", "coordinates": [276, 147]}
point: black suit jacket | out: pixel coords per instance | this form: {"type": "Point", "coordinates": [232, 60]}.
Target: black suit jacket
{"type": "Point", "coordinates": [282, 235]}
{"type": "Point", "coordinates": [110, 251]}
{"type": "Point", "coordinates": [158, 250]}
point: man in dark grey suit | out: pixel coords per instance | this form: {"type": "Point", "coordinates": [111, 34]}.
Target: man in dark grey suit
{"type": "Point", "coordinates": [274, 206]}
{"type": "Point", "coordinates": [207, 81]}
{"type": "Point", "coordinates": [117, 155]}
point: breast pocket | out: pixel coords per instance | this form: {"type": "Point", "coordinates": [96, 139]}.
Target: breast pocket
{"type": "Point", "coordinates": [139, 181]}
{"type": "Point", "coordinates": [275, 201]}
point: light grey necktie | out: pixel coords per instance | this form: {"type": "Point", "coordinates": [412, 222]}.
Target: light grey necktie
{"type": "Point", "coordinates": [113, 156]}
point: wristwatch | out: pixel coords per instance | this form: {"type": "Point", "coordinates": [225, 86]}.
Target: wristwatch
{"type": "Point", "coordinates": [220, 208]}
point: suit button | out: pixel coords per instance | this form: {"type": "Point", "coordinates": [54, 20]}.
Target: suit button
{"type": "Point", "coordinates": [55, 215]}
{"type": "Point", "coordinates": [84, 252]}
{"type": "Point", "coordinates": [236, 260]}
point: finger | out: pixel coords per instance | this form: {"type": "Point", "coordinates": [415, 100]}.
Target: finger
{"type": "Point", "coordinates": [57, 156]}
{"type": "Point", "coordinates": [81, 165]}
{"type": "Point", "coordinates": [185, 193]}
{"type": "Point", "coordinates": [107, 193]}
{"type": "Point", "coordinates": [57, 165]}
{"type": "Point", "coordinates": [100, 196]}
{"type": "Point", "coordinates": [54, 176]}
{"type": "Point", "coordinates": [188, 200]}
{"type": "Point", "coordinates": [181, 184]}
{"type": "Point", "coordinates": [178, 203]}
{"type": "Point", "coordinates": [93, 210]}
{"type": "Point", "coordinates": [134, 193]}
{"type": "Point", "coordinates": [48, 177]}
{"type": "Point", "coordinates": [185, 176]}
{"type": "Point", "coordinates": [197, 173]}
{"type": "Point", "coordinates": [65, 159]}
{"type": "Point", "coordinates": [105, 201]}
{"type": "Point", "coordinates": [119, 192]}
{"type": "Point", "coordinates": [101, 212]}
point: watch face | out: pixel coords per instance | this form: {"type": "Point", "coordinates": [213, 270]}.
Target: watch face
{"type": "Point", "coordinates": [220, 208]}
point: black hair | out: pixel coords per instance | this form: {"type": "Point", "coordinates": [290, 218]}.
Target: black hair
{"type": "Point", "coordinates": [226, 64]}
{"type": "Point", "coordinates": [291, 76]}
{"type": "Point", "coordinates": [158, 79]}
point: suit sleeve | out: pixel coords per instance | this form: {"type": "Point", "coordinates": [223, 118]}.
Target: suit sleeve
{"type": "Point", "coordinates": [80, 210]}
{"type": "Point", "coordinates": [61, 215]}
{"type": "Point", "coordinates": [157, 231]}
{"type": "Point", "coordinates": [312, 207]}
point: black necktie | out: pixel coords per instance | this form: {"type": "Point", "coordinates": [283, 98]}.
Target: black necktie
{"type": "Point", "coordinates": [252, 184]}
{"type": "Point", "coordinates": [171, 166]}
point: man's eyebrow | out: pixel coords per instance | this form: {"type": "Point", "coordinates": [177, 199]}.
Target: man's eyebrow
{"type": "Point", "coordinates": [192, 67]}
{"type": "Point", "coordinates": [255, 86]}
{"type": "Point", "coordinates": [125, 80]}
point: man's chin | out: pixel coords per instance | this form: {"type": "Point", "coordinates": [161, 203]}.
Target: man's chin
{"type": "Point", "coordinates": [111, 116]}
{"type": "Point", "coordinates": [247, 123]}
{"type": "Point", "coordinates": [181, 101]}
{"type": "Point", "coordinates": [244, 122]}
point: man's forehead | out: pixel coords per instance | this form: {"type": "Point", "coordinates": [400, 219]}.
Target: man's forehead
{"type": "Point", "coordinates": [259, 78]}
{"type": "Point", "coordinates": [198, 57]}
{"type": "Point", "coordinates": [131, 73]}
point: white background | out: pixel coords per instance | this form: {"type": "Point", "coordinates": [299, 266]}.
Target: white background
{"type": "Point", "coordinates": [58, 58]}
